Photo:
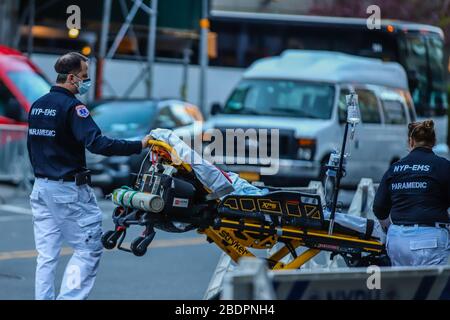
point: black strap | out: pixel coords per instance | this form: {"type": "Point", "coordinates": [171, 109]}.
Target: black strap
{"type": "Point", "coordinates": [369, 229]}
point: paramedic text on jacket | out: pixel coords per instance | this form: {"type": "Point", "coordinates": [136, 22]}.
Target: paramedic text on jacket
{"type": "Point", "coordinates": [63, 204]}
{"type": "Point", "coordinates": [415, 194]}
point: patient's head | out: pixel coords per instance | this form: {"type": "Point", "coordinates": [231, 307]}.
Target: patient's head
{"type": "Point", "coordinates": [421, 134]}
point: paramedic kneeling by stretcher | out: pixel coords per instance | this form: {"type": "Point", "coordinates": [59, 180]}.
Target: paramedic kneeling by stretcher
{"type": "Point", "coordinates": [415, 194]}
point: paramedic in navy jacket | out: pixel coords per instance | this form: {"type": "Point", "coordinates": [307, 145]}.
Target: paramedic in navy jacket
{"type": "Point", "coordinates": [63, 204]}
{"type": "Point", "coordinates": [415, 194]}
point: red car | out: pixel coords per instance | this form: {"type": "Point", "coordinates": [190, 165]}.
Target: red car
{"type": "Point", "coordinates": [21, 83]}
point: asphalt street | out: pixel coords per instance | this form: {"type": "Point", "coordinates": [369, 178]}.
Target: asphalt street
{"type": "Point", "coordinates": [176, 266]}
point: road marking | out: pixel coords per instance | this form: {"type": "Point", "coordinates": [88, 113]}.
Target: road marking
{"type": "Point", "coordinates": [65, 251]}
{"type": "Point", "coordinates": [14, 218]}
{"type": "Point", "coordinates": [15, 209]}
{"type": "Point", "coordinates": [21, 210]}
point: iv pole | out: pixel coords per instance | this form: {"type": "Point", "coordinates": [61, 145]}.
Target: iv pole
{"type": "Point", "coordinates": [352, 119]}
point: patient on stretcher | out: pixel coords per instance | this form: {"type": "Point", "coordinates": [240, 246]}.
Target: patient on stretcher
{"type": "Point", "coordinates": [236, 193]}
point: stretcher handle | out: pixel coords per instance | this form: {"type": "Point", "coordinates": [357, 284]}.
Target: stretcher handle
{"type": "Point", "coordinates": [171, 151]}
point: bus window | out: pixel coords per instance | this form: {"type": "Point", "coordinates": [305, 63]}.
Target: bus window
{"type": "Point", "coordinates": [416, 64]}
{"type": "Point", "coordinates": [438, 95]}
{"type": "Point", "coordinates": [436, 56]}
{"type": "Point", "coordinates": [231, 41]}
{"type": "Point", "coordinates": [377, 44]}
{"type": "Point", "coordinates": [263, 41]}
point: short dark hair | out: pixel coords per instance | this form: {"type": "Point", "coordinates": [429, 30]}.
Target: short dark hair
{"type": "Point", "coordinates": [68, 63]}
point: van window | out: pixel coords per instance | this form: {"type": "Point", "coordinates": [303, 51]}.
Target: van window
{"type": "Point", "coordinates": [394, 112]}
{"type": "Point", "coordinates": [368, 106]}
{"type": "Point", "coordinates": [342, 106]}
{"type": "Point", "coordinates": [282, 98]}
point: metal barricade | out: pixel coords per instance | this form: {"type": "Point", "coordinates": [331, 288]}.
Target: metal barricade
{"type": "Point", "coordinates": [251, 280]}
{"type": "Point", "coordinates": [15, 166]}
{"type": "Point", "coordinates": [224, 266]}
{"type": "Point", "coordinates": [363, 199]}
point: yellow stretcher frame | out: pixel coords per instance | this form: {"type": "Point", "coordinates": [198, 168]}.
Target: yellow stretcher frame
{"type": "Point", "coordinates": [225, 238]}
{"type": "Point", "coordinates": [237, 247]}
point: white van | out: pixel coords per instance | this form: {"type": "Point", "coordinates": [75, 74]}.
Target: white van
{"type": "Point", "coordinates": [302, 93]}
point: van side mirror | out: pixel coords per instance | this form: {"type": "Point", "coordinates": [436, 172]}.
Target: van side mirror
{"type": "Point", "coordinates": [15, 111]}
{"type": "Point", "coordinates": [216, 108]}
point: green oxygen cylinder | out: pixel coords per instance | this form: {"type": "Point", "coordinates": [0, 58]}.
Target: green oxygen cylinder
{"type": "Point", "coordinates": [138, 200]}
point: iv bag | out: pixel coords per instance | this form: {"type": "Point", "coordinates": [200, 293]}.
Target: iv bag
{"type": "Point", "coordinates": [353, 116]}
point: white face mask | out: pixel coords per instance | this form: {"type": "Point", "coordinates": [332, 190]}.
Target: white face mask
{"type": "Point", "coordinates": [83, 85]}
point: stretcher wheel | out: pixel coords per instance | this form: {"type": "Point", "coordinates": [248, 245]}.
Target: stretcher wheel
{"type": "Point", "coordinates": [109, 239]}
{"type": "Point", "coordinates": [138, 246]}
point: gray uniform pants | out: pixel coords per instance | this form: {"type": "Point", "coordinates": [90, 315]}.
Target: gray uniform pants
{"type": "Point", "coordinates": [63, 211]}
{"type": "Point", "coordinates": [417, 246]}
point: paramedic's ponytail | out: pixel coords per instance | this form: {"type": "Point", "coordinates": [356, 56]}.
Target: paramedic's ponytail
{"type": "Point", "coordinates": [422, 133]}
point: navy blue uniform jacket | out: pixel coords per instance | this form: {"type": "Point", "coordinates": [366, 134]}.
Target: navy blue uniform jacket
{"type": "Point", "coordinates": [415, 190]}
{"type": "Point", "coordinates": [60, 129]}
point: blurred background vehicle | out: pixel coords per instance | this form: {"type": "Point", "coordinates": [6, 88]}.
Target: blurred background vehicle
{"type": "Point", "coordinates": [200, 55]}
{"type": "Point", "coordinates": [419, 48]}
{"type": "Point", "coordinates": [132, 119]}
{"type": "Point", "coordinates": [302, 94]}
{"type": "Point", "coordinates": [21, 83]}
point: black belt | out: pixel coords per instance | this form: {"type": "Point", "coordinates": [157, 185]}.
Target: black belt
{"type": "Point", "coordinates": [65, 179]}
{"type": "Point", "coordinates": [79, 178]}
{"type": "Point", "coordinates": [433, 225]}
